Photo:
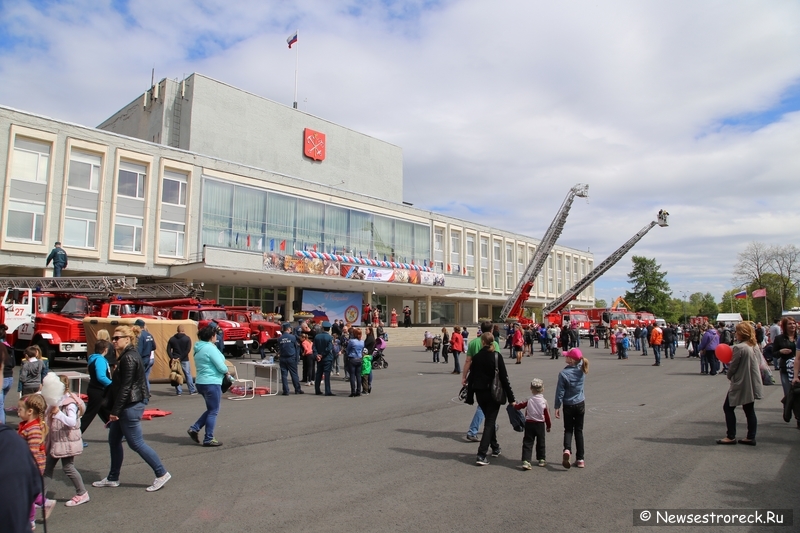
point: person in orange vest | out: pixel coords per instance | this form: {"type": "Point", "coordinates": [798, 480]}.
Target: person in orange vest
{"type": "Point", "coordinates": [656, 338]}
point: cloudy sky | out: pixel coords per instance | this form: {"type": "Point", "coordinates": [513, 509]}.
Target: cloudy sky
{"type": "Point", "coordinates": [500, 107]}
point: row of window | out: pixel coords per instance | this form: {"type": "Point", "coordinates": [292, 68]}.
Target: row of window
{"type": "Point", "coordinates": [29, 175]}
{"type": "Point", "coordinates": [501, 269]}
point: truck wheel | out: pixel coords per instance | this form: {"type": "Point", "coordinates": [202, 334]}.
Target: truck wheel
{"type": "Point", "coordinates": [48, 351]}
{"type": "Point", "coordinates": [253, 349]}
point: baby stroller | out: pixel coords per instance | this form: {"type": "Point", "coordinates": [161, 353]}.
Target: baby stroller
{"type": "Point", "coordinates": [378, 359]}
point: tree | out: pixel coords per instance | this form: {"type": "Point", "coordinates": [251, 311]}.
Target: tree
{"type": "Point", "coordinates": [708, 306]}
{"type": "Point", "coordinates": [775, 268]}
{"type": "Point", "coordinates": [752, 264]}
{"type": "Point", "coordinates": [780, 296]}
{"type": "Point", "coordinates": [651, 290]}
{"type": "Point", "coordinates": [743, 306]}
{"type": "Point", "coordinates": [600, 303]}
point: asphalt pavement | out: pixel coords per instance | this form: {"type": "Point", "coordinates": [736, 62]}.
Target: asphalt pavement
{"type": "Point", "coordinates": [397, 460]}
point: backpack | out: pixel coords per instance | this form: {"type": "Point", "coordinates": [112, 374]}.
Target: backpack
{"type": "Point", "coordinates": [726, 337]}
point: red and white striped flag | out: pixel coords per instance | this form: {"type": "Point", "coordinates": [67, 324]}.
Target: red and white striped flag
{"type": "Point", "coordinates": [760, 293]}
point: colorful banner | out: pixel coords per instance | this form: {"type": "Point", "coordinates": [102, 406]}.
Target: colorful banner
{"type": "Point", "coordinates": [333, 305]}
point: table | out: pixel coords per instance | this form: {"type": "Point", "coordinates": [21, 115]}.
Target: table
{"type": "Point", "coordinates": [74, 378]}
{"type": "Point", "coordinates": [264, 370]}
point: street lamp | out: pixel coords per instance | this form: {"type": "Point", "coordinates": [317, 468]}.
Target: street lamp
{"type": "Point", "coordinates": [683, 293]}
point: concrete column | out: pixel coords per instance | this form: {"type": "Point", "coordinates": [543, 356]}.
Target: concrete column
{"type": "Point", "coordinates": [475, 310]}
{"type": "Point", "coordinates": [289, 304]}
{"type": "Point", "coordinates": [428, 309]}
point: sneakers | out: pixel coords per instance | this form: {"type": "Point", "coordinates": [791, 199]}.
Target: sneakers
{"type": "Point", "coordinates": [472, 438]}
{"type": "Point", "coordinates": [496, 453]}
{"type": "Point", "coordinates": [580, 464]}
{"type": "Point", "coordinates": [542, 462]}
{"type": "Point", "coordinates": [481, 460]}
{"type": "Point", "coordinates": [105, 482]}
{"type": "Point", "coordinates": [193, 434]}
{"type": "Point", "coordinates": [49, 505]}
{"type": "Point", "coordinates": [565, 459]}
{"type": "Point", "coordinates": [159, 482]}
{"type": "Point", "coordinates": [526, 465]}
{"type": "Point", "coordinates": [77, 500]}
{"type": "Point", "coordinates": [213, 443]}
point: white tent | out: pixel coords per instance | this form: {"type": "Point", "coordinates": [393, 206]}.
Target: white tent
{"type": "Point", "coordinates": [729, 318]}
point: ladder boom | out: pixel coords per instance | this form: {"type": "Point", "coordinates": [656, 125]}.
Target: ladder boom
{"type": "Point", "coordinates": [513, 307]}
{"type": "Point", "coordinates": [88, 285]}
{"type": "Point", "coordinates": [559, 303]}
{"type": "Point", "coordinates": [165, 290]}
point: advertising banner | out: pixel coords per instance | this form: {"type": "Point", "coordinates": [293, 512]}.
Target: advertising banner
{"type": "Point", "coordinates": [333, 305]}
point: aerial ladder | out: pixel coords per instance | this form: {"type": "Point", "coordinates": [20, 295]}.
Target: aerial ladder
{"type": "Point", "coordinates": [155, 291]}
{"type": "Point", "coordinates": [562, 301]}
{"type": "Point", "coordinates": [99, 284]}
{"type": "Point", "coordinates": [513, 307]}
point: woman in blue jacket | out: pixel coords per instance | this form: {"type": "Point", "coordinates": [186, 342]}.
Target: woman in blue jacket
{"type": "Point", "coordinates": [211, 370]}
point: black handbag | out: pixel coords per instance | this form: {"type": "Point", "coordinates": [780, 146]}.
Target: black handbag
{"type": "Point", "coordinates": [226, 383]}
{"type": "Point", "coordinates": [498, 394]}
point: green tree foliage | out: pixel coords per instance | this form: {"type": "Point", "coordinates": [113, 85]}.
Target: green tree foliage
{"type": "Point", "coordinates": [775, 268]}
{"type": "Point", "coordinates": [600, 303]}
{"type": "Point", "coordinates": [650, 290]}
{"type": "Point", "coordinates": [708, 306]}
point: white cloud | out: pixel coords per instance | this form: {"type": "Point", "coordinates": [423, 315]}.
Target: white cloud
{"type": "Point", "coordinates": [500, 107]}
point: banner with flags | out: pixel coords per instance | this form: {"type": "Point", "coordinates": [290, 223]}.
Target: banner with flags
{"type": "Point", "coordinates": [760, 293]}
{"type": "Point", "coordinates": [740, 295]}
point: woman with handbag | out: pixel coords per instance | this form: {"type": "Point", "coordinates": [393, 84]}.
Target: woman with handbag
{"type": "Point", "coordinates": [745, 388]}
{"type": "Point", "coordinates": [211, 374]}
{"type": "Point", "coordinates": [128, 398]}
{"type": "Point", "coordinates": [488, 383]}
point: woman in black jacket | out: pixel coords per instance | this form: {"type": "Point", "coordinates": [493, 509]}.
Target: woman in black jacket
{"type": "Point", "coordinates": [128, 398]}
{"type": "Point", "coordinates": [479, 385]}
{"type": "Point", "coordinates": [784, 348]}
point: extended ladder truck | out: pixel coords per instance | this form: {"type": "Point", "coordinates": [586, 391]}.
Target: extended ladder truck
{"type": "Point", "coordinates": [512, 310]}
{"type": "Point", "coordinates": [555, 307]}
{"type": "Point", "coordinates": [49, 312]}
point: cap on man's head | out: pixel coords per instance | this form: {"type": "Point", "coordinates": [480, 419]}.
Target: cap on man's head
{"type": "Point", "coordinates": [285, 326]}
{"type": "Point", "coordinates": [139, 322]}
{"type": "Point", "coordinates": [326, 325]}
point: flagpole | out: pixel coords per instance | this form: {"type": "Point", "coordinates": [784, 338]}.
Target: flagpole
{"type": "Point", "coordinates": [296, 65]}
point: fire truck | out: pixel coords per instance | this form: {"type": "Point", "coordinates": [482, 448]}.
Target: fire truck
{"type": "Point", "coordinates": [603, 319]}
{"type": "Point", "coordinates": [49, 312]}
{"type": "Point", "coordinates": [252, 318]}
{"type": "Point", "coordinates": [512, 310]}
{"type": "Point", "coordinates": [570, 317]}
{"type": "Point", "coordinates": [135, 302]}
{"type": "Point", "coordinates": [235, 336]}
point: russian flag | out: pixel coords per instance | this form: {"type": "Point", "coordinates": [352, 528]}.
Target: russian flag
{"type": "Point", "coordinates": [740, 294]}
{"type": "Point", "coordinates": [293, 39]}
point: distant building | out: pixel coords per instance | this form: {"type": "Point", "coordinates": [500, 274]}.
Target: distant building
{"type": "Point", "coordinates": [197, 180]}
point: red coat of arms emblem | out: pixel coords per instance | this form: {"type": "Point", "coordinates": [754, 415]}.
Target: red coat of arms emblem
{"type": "Point", "coordinates": [314, 144]}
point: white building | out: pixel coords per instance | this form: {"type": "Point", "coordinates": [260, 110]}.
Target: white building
{"type": "Point", "coordinates": [196, 180]}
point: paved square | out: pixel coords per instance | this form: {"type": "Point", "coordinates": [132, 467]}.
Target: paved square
{"type": "Point", "coordinates": [397, 460]}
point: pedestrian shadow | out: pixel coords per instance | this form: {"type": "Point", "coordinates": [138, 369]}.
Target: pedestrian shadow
{"type": "Point", "coordinates": [451, 435]}
{"type": "Point", "coordinates": [701, 441]}
{"type": "Point", "coordinates": [170, 439]}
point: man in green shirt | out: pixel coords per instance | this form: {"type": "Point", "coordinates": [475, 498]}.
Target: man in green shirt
{"type": "Point", "coordinates": [474, 347]}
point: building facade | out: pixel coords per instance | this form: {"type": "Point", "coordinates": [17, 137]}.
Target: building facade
{"type": "Point", "coordinates": [198, 181]}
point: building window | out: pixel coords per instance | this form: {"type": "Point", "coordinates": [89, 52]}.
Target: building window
{"type": "Point", "coordinates": [471, 256]}
{"type": "Point", "coordinates": [559, 269]}
{"type": "Point", "coordinates": [173, 189]}
{"type": "Point", "coordinates": [484, 263]}
{"type": "Point", "coordinates": [575, 278]}
{"type": "Point", "coordinates": [509, 266]}
{"type": "Point", "coordinates": [550, 273]}
{"type": "Point", "coordinates": [568, 273]}
{"type": "Point", "coordinates": [31, 160]}
{"type": "Point", "coordinates": [84, 171]}
{"type": "Point", "coordinates": [455, 252]}
{"type": "Point", "coordinates": [80, 228]}
{"type": "Point", "coordinates": [520, 261]}
{"type": "Point", "coordinates": [171, 239]}
{"type": "Point", "coordinates": [128, 234]}
{"type": "Point", "coordinates": [25, 221]}
{"type": "Point", "coordinates": [131, 182]}
{"type": "Point", "coordinates": [496, 262]}
{"type": "Point", "coordinates": [438, 249]}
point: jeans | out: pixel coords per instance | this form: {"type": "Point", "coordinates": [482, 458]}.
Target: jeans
{"type": "Point", "coordinates": [644, 346]}
{"type": "Point", "coordinates": [490, 409]}
{"type": "Point", "coordinates": [212, 394]}
{"type": "Point", "coordinates": [573, 423]}
{"type": "Point", "coordinates": [7, 382]}
{"type": "Point", "coordinates": [730, 419]}
{"type": "Point", "coordinates": [355, 374]}
{"type": "Point", "coordinates": [148, 368]}
{"type": "Point", "coordinates": [669, 350]}
{"type": "Point", "coordinates": [636, 345]}
{"type": "Point", "coordinates": [289, 367]}
{"type": "Point", "coordinates": [623, 351]}
{"type": "Point", "coordinates": [457, 367]}
{"type": "Point", "coordinates": [657, 353]}
{"type": "Point", "coordinates": [534, 431]}
{"type": "Point", "coordinates": [129, 426]}
{"type": "Point", "coordinates": [711, 362]}
{"type": "Point", "coordinates": [57, 270]}
{"type": "Point", "coordinates": [187, 373]}
{"type": "Point", "coordinates": [704, 364]}
{"type": "Point", "coordinates": [436, 355]}
{"type": "Point", "coordinates": [477, 420]}
{"type": "Point", "coordinates": [323, 370]}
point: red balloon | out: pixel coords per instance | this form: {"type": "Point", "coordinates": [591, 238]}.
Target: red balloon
{"type": "Point", "coordinates": [724, 353]}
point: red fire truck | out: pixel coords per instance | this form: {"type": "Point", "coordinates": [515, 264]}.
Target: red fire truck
{"type": "Point", "coordinates": [567, 318]}
{"type": "Point", "coordinates": [235, 336]}
{"type": "Point", "coordinates": [252, 318]}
